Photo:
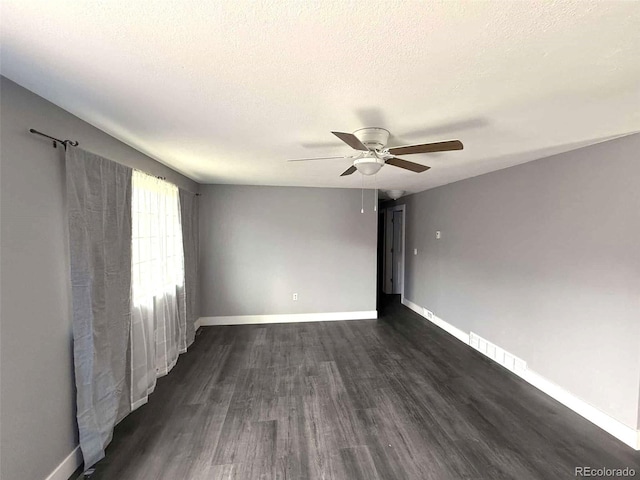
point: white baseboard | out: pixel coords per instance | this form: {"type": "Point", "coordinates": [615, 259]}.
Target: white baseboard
{"type": "Point", "coordinates": [607, 423]}
{"type": "Point", "coordinates": [619, 430]}
{"type": "Point", "coordinates": [198, 323]}
{"type": "Point", "coordinates": [286, 318]}
{"type": "Point", "coordinates": [68, 466]}
{"type": "Point", "coordinates": [447, 327]}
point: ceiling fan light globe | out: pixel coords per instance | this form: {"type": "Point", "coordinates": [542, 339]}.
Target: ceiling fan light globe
{"type": "Point", "coordinates": [395, 194]}
{"type": "Point", "coordinates": [369, 168]}
{"type": "Point", "coordinates": [369, 164]}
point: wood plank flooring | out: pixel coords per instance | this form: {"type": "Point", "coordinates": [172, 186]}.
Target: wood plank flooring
{"type": "Point", "coordinates": [394, 398]}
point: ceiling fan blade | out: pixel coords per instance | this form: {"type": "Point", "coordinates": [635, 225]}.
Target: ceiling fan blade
{"type": "Point", "coordinates": [348, 171]}
{"type": "Point", "coordinates": [351, 140]}
{"type": "Point", "coordinates": [314, 158]}
{"type": "Point", "coordinates": [427, 148]}
{"type": "Point", "coordinates": [407, 165]}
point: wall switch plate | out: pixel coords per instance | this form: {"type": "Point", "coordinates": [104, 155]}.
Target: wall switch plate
{"type": "Point", "coordinates": [415, 251]}
{"type": "Point", "coordinates": [438, 235]}
{"type": "Point", "coordinates": [295, 297]}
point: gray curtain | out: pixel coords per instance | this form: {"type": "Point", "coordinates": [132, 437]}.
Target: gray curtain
{"type": "Point", "coordinates": [189, 221]}
{"type": "Point", "coordinates": [99, 210]}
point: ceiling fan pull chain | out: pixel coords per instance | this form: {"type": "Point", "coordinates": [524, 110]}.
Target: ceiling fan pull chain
{"type": "Point", "coordinates": [362, 196]}
{"type": "Point", "coordinates": [375, 192]}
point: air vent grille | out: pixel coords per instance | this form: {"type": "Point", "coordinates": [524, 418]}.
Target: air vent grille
{"type": "Point", "coordinates": [497, 354]}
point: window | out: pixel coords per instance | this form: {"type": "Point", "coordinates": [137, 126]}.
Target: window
{"type": "Point", "coordinates": [157, 255]}
{"type": "Point", "coordinates": [158, 319]}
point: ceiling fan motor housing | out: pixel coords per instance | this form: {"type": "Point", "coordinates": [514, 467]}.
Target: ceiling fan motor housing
{"type": "Point", "coordinates": [374, 138]}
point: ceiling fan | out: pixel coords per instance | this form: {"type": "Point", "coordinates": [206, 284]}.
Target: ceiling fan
{"type": "Point", "coordinates": [373, 153]}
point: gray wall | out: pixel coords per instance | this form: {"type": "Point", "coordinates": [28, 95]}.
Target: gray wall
{"type": "Point", "coordinates": [542, 259]}
{"type": "Point", "coordinates": [37, 394]}
{"type": "Point", "coordinates": [259, 245]}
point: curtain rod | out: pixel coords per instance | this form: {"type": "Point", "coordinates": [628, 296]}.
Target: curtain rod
{"type": "Point", "coordinates": [55, 140]}
{"type": "Point", "coordinates": [74, 144]}
{"type": "Point", "coordinates": [165, 179]}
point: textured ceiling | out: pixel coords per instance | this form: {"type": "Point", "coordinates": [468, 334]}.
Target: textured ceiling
{"type": "Point", "coordinates": [226, 91]}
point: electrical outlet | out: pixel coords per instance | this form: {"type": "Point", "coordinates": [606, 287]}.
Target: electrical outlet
{"type": "Point", "coordinates": [438, 235]}
{"type": "Point", "coordinates": [295, 297]}
{"type": "Point", "coordinates": [428, 314]}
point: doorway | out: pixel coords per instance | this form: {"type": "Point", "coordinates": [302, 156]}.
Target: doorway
{"type": "Point", "coordinates": [392, 250]}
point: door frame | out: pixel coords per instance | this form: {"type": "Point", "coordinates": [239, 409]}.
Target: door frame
{"type": "Point", "coordinates": [389, 212]}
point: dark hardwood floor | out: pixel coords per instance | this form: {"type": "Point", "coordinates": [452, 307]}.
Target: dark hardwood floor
{"type": "Point", "coordinates": [394, 398]}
